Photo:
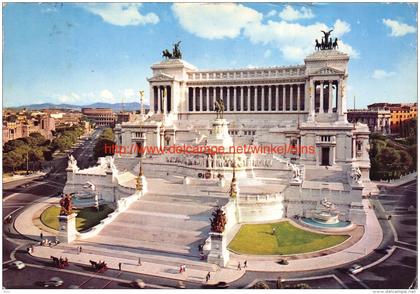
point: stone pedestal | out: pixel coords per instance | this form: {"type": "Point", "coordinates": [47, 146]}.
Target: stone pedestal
{"type": "Point", "coordinates": [67, 230]}
{"type": "Point", "coordinates": [218, 251]}
{"type": "Point", "coordinates": [220, 134]}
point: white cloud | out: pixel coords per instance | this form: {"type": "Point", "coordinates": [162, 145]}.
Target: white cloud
{"type": "Point", "coordinates": [106, 96]}
{"type": "Point", "coordinates": [271, 13]}
{"type": "Point", "coordinates": [398, 29]}
{"type": "Point", "coordinates": [295, 41]}
{"type": "Point", "coordinates": [340, 28]}
{"type": "Point", "coordinates": [215, 20]}
{"type": "Point", "coordinates": [227, 20]}
{"type": "Point", "coordinates": [69, 98]}
{"type": "Point", "coordinates": [267, 53]}
{"type": "Point", "coordinates": [290, 14]}
{"type": "Point", "coordinates": [379, 74]}
{"type": "Point", "coordinates": [122, 14]}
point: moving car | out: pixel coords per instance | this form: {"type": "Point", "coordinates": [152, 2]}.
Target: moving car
{"type": "Point", "coordinates": [17, 264]}
{"type": "Point", "coordinates": [53, 282]}
{"type": "Point", "coordinates": [355, 268]}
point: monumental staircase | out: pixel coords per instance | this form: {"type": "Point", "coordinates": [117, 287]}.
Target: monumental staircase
{"type": "Point", "coordinates": [165, 226]}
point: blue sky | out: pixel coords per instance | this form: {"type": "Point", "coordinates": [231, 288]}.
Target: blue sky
{"type": "Point", "coordinates": [84, 53]}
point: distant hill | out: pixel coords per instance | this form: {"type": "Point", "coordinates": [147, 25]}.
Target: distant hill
{"type": "Point", "coordinates": [115, 106]}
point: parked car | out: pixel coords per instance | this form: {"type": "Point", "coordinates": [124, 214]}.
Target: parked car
{"type": "Point", "coordinates": [17, 264]}
{"type": "Point", "coordinates": [355, 268]}
{"type": "Point", "coordinates": [53, 282]}
{"type": "Point", "coordinates": [220, 285]}
{"type": "Point", "coordinates": [138, 283]}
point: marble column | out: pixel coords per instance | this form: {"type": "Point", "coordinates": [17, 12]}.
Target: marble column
{"type": "Point", "coordinates": [241, 108]}
{"type": "Point", "coordinates": [311, 100]}
{"type": "Point", "coordinates": [298, 97]}
{"type": "Point", "coordinates": [208, 98]}
{"type": "Point", "coordinates": [214, 96]}
{"type": "Point", "coordinates": [339, 102]}
{"type": "Point", "coordinates": [193, 89]}
{"type": "Point", "coordinates": [159, 99]}
{"type": "Point", "coordinates": [330, 96]}
{"type": "Point", "coordinates": [291, 98]}
{"type": "Point", "coordinates": [234, 99]}
{"type": "Point", "coordinates": [255, 98]}
{"type": "Point", "coordinates": [277, 97]}
{"type": "Point", "coordinates": [262, 98]}
{"type": "Point", "coordinates": [269, 98]}
{"type": "Point", "coordinates": [249, 99]}
{"type": "Point", "coordinates": [228, 99]}
{"type": "Point", "coordinates": [284, 97]}
{"type": "Point", "coordinates": [321, 98]}
{"type": "Point", "coordinates": [201, 98]}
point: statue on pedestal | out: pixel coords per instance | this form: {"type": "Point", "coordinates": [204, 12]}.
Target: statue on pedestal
{"type": "Point", "coordinates": [66, 205]}
{"type": "Point", "coordinates": [218, 222]}
{"type": "Point", "coordinates": [219, 107]}
{"type": "Point", "coordinates": [72, 163]}
{"type": "Point", "coordinates": [355, 175]}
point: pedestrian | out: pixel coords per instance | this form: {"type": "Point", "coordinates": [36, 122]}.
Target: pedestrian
{"type": "Point", "coordinates": [119, 266]}
{"type": "Point", "coordinates": [139, 264]}
{"type": "Point", "coordinates": [239, 266]}
{"type": "Point", "coordinates": [245, 263]}
{"type": "Point", "coordinates": [80, 249]}
{"type": "Point", "coordinates": [184, 267]}
{"type": "Point", "coordinates": [41, 235]}
{"type": "Point", "coordinates": [180, 268]}
{"type": "Point", "coordinates": [207, 277]}
{"type": "Point", "coordinates": [273, 231]}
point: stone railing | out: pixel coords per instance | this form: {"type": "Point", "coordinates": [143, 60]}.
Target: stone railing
{"type": "Point", "coordinates": [122, 205]}
{"type": "Point", "coordinates": [295, 71]}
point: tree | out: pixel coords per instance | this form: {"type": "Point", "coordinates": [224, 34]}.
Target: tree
{"type": "Point", "coordinates": [406, 161]}
{"type": "Point", "coordinates": [11, 160]}
{"type": "Point", "coordinates": [388, 158]}
{"type": "Point", "coordinates": [13, 144]}
{"type": "Point", "coordinates": [38, 139]}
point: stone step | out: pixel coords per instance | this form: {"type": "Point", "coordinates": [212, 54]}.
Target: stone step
{"type": "Point", "coordinates": [176, 208]}
{"type": "Point", "coordinates": [173, 221]}
{"type": "Point", "coordinates": [154, 234]}
{"type": "Point", "coordinates": [157, 228]}
{"type": "Point", "coordinates": [183, 199]}
{"type": "Point", "coordinates": [149, 246]}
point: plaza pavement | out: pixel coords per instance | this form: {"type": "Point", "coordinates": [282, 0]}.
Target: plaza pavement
{"type": "Point", "coordinates": [166, 265]}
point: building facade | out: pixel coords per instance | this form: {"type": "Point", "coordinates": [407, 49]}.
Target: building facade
{"type": "Point", "coordinates": [400, 113]}
{"type": "Point", "coordinates": [301, 105]}
{"type": "Point", "coordinates": [378, 120]}
{"type": "Point", "coordinates": [101, 117]}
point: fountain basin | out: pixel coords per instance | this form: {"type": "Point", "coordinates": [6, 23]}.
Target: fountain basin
{"type": "Point", "coordinates": [325, 217]}
{"type": "Point", "coordinates": [323, 225]}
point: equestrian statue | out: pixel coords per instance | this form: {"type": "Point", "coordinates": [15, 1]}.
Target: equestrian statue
{"type": "Point", "coordinates": [176, 52]}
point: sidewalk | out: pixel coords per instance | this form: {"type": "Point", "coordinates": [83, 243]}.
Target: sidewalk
{"type": "Point", "coordinates": [22, 177]}
{"type": "Point", "coordinates": [25, 225]}
{"type": "Point", "coordinates": [395, 183]}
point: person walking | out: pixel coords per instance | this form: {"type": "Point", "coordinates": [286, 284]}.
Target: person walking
{"type": "Point", "coordinates": [119, 266]}
{"type": "Point", "coordinates": [139, 264]}
{"type": "Point", "coordinates": [239, 266]}
{"type": "Point", "coordinates": [41, 235]}
{"type": "Point", "coordinates": [207, 277]}
{"type": "Point", "coordinates": [245, 263]}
